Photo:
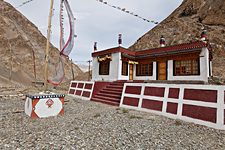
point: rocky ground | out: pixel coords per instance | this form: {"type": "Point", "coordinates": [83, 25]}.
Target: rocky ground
{"type": "Point", "coordinates": [90, 125]}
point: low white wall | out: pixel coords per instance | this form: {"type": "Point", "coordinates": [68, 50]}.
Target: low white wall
{"type": "Point", "coordinates": [134, 99]}
{"type": "Point", "coordinates": [204, 69]}
{"type": "Point", "coordinates": [81, 92]}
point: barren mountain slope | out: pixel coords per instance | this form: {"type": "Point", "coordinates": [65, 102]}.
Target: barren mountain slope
{"type": "Point", "coordinates": [185, 24]}
{"type": "Point", "coordinates": [23, 43]}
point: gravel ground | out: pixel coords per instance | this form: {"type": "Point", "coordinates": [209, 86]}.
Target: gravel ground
{"type": "Point", "coordinates": [90, 125]}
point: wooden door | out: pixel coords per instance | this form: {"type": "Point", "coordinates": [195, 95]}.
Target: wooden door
{"type": "Point", "coordinates": [131, 71]}
{"type": "Point", "coordinates": [162, 70]}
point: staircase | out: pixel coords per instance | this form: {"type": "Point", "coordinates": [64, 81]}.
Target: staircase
{"type": "Point", "coordinates": [111, 94]}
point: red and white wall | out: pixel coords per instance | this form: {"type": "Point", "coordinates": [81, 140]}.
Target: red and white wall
{"type": "Point", "coordinates": [201, 104]}
{"type": "Point", "coordinates": [81, 89]}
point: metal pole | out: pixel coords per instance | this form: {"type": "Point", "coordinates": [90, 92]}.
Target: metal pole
{"type": "Point", "coordinates": [47, 45]}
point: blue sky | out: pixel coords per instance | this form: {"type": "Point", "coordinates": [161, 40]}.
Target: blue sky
{"type": "Point", "coordinates": [98, 22]}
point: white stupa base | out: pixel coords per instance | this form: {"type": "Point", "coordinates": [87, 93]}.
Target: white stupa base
{"type": "Point", "coordinates": [44, 105]}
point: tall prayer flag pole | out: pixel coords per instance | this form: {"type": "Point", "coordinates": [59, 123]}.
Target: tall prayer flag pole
{"type": "Point", "coordinates": [47, 46]}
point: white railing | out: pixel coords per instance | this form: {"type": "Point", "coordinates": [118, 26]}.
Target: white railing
{"type": "Point", "coordinates": [201, 104]}
{"type": "Point", "coordinates": [81, 89]}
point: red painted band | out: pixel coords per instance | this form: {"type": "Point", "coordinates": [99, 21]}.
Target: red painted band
{"type": "Point", "coordinates": [131, 101]}
{"type": "Point", "coordinates": [72, 91]}
{"type": "Point", "coordinates": [154, 91]}
{"type": "Point", "coordinates": [133, 90]}
{"type": "Point", "coordinates": [86, 94]}
{"type": "Point", "coordinates": [78, 92]}
{"type": "Point", "coordinates": [174, 93]}
{"type": "Point", "coordinates": [172, 108]}
{"type": "Point", "coordinates": [74, 85]}
{"type": "Point", "coordinates": [88, 86]}
{"type": "Point", "coordinates": [151, 104]}
{"type": "Point", "coordinates": [80, 85]}
{"type": "Point", "coordinates": [200, 95]}
{"type": "Point", "coordinates": [199, 112]}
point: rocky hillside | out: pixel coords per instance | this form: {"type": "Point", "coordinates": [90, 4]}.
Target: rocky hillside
{"type": "Point", "coordinates": [185, 24]}
{"type": "Point", "coordinates": [20, 44]}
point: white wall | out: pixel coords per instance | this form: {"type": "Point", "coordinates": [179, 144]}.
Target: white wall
{"type": "Point", "coordinates": [153, 77]}
{"type": "Point", "coordinates": [113, 69]}
{"type": "Point", "coordinates": [120, 76]}
{"type": "Point", "coordinates": [28, 106]}
{"type": "Point", "coordinates": [211, 68]}
{"type": "Point", "coordinates": [116, 67]}
{"type": "Point", "coordinates": [204, 69]}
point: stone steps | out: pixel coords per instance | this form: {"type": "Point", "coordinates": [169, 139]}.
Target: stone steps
{"type": "Point", "coordinates": [111, 94]}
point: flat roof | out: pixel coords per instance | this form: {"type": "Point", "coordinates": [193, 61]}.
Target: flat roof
{"type": "Point", "coordinates": [167, 50]}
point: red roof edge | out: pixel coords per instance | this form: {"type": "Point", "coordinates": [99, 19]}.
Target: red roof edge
{"type": "Point", "coordinates": [172, 48]}
{"type": "Point", "coordinates": [113, 50]}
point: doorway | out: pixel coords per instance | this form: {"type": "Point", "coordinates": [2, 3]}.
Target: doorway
{"type": "Point", "coordinates": [131, 70]}
{"type": "Point", "coordinates": [162, 70]}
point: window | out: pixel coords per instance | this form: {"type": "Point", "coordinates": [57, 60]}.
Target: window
{"type": "Point", "coordinates": [125, 68]}
{"type": "Point", "coordinates": [144, 69]}
{"type": "Point", "coordinates": [186, 67]}
{"type": "Point", "coordinates": [104, 67]}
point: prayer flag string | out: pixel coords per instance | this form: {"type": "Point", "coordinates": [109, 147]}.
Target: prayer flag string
{"type": "Point", "coordinates": [24, 3]}
{"type": "Point", "coordinates": [127, 11]}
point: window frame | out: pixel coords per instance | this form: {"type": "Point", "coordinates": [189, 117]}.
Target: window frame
{"type": "Point", "coordinates": [104, 67]}
{"type": "Point", "coordinates": [182, 69]}
{"type": "Point", "coordinates": [144, 69]}
{"type": "Point", "coordinates": [124, 69]}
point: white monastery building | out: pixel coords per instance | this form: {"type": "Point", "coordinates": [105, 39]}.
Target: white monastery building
{"type": "Point", "coordinates": [168, 81]}
{"type": "Point", "coordinates": [183, 62]}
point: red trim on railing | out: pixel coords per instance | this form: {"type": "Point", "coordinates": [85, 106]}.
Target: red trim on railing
{"type": "Point", "coordinates": [88, 86]}
{"type": "Point", "coordinates": [73, 85]}
{"type": "Point", "coordinates": [152, 104]}
{"type": "Point", "coordinates": [172, 108]}
{"type": "Point", "coordinates": [86, 94]}
{"type": "Point", "coordinates": [133, 90]}
{"type": "Point", "coordinates": [154, 91]}
{"type": "Point", "coordinates": [200, 95]}
{"type": "Point", "coordinates": [72, 91]}
{"type": "Point", "coordinates": [174, 93]}
{"type": "Point", "coordinates": [80, 85]}
{"type": "Point", "coordinates": [199, 112]}
{"type": "Point", "coordinates": [131, 101]}
{"type": "Point", "coordinates": [78, 92]}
